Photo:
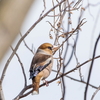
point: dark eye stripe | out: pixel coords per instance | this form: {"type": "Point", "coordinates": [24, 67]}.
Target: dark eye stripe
{"type": "Point", "coordinates": [50, 48]}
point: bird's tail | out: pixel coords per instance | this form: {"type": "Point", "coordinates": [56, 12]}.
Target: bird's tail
{"type": "Point", "coordinates": [36, 82]}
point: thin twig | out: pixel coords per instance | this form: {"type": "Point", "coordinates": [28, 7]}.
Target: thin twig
{"type": "Point", "coordinates": [44, 8]}
{"type": "Point", "coordinates": [95, 93]}
{"type": "Point", "coordinates": [76, 80]}
{"type": "Point", "coordinates": [27, 45]}
{"type": "Point", "coordinates": [25, 79]}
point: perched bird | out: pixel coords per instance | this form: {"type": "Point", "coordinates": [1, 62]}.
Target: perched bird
{"type": "Point", "coordinates": [41, 65]}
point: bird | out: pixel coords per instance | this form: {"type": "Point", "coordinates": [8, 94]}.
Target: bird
{"type": "Point", "coordinates": [41, 65]}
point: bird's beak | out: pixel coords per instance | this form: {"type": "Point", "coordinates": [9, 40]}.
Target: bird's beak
{"type": "Point", "coordinates": [55, 48]}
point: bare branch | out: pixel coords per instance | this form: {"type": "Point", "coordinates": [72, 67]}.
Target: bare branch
{"type": "Point", "coordinates": [95, 93]}
{"type": "Point", "coordinates": [21, 67]}
{"type": "Point", "coordinates": [21, 94]}
{"type": "Point", "coordinates": [27, 46]}
{"type": "Point", "coordinates": [80, 81]}
{"type": "Point", "coordinates": [91, 66]}
{"type": "Point", "coordinates": [8, 18]}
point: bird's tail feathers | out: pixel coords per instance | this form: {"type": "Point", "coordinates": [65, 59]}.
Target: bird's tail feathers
{"type": "Point", "coordinates": [35, 92]}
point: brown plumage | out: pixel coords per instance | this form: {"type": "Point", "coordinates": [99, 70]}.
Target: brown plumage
{"type": "Point", "coordinates": [41, 65]}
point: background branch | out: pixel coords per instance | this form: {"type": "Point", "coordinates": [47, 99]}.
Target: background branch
{"type": "Point", "coordinates": [21, 94]}
{"type": "Point", "coordinates": [8, 18]}
{"type": "Point", "coordinates": [91, 66]}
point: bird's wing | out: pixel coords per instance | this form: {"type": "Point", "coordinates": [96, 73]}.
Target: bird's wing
{"type": "Point", "coordinates": [36, 66]}
{"type": "Point", "coordinates": [39, 58]}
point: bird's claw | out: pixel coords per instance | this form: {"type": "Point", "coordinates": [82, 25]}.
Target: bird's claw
{"type": "Point", "coordinates": [46, 83]}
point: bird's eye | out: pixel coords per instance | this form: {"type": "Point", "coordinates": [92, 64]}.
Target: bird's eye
{"type": "Point", "coordinates": [50, 48]}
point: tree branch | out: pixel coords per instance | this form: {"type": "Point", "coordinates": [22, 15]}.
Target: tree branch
{"type": "Point", "coordinates": [21, 94]}
{"type": "Point", "coordinates": [91, 66]}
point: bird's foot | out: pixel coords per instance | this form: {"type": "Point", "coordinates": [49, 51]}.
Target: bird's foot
{"type": "Point", "coordinates": [46, 83]}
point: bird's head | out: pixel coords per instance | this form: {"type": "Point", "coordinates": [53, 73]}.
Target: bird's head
{"type": "Point", "coordinates": [47, 48]}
